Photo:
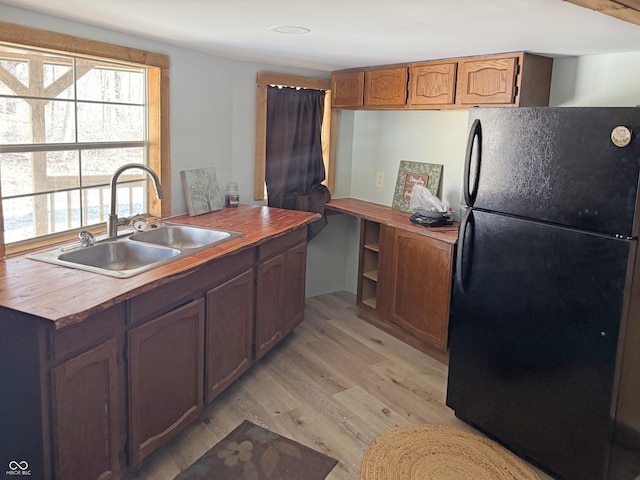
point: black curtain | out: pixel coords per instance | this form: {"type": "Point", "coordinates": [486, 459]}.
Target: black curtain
{"type": "Point", "coordinates": [294, 166]}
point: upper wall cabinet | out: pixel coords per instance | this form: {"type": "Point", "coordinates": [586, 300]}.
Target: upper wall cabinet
{"type": "Point", "coordinates": [347, 89]}
{"type": "Point", "coordinates": [487, 81]}
{"type": "Point", "coordinates": [385, 87]}
{"type": "Point", "coordinates": [519, 80]}
{"type": "Point", "coordinates": [507, 80]}
{"type": "Point", "coordinates": [432, 84]}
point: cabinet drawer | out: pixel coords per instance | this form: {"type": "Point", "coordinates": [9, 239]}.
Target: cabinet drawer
{"type": "Point", "coordinates": [187, 286]}
{"type": "Point", "coordinates": [281, 244]}
{"type": "Point", "coordinates": [79, 338]}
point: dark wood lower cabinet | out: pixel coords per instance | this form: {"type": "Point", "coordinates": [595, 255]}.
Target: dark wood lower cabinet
{"type": "Point", "coordinates": [229, 327]}
{"type": "Point", "coordinates": [269, 288]}
{"type": "Point", "coordinates": [280, 289]}
{"type": "Point", "coordinates": [421, 286]}
{"type": "Point", "coordinates": [88, 418]}
{"type": "Point", "coordinates": [295, 268]}
{"type": "Point", "coordinates": [92, 400]}
{"type": "Point", "coordinates": [166, 365]}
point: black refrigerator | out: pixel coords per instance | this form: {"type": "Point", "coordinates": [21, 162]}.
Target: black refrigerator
{"type": "Point", "coordinates": [545, 325]}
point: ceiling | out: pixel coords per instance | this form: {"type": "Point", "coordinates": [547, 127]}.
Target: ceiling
{"type": "Point", "coordinates": [353, 33]}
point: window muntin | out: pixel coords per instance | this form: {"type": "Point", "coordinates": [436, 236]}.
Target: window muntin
{"type": "Point", "coordinates": [66, 124]}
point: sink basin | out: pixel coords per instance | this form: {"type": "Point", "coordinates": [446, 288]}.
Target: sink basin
{"type": "Point", "coordinates": [118, 256]}
{"type": "Point", "coordinates": [129, 255]}
{"type": "Point", "coordinates": [183, 237]}
{"type": "Point", "coordinates": [115, 258]}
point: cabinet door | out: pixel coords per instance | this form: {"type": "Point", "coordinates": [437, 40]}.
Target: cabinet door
{"type": "Point", "coordinates": [421, 286]}
{"type": "Point", "coordinates": [270, 285]}
{"type": "Point", "coordinates": [347, 89]}
{"type": "Point", "coordinates": [166, 376]}
{"type": "Point", "coordinates": [88, 415]}
{"type": "Point", "coordinates": [487, 81]}
{"type": "Point", "coordinates": [229, 330]}
{"type": "Point", "coordinates": [432, 84]}
{"type": "Point", "coordinates": [295, 278]}
{"type": "Point", "coordinates": [386, 87]}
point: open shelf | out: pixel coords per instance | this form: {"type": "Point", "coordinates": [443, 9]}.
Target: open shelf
{"type": "Point", "coordinates": [370, 302]}
{"type": "Point", "coordinates": [371, 275]}
{"type": "Point", "coordinates": [372, 246]}
{"type": "Point", "coordinates": [368, 265]}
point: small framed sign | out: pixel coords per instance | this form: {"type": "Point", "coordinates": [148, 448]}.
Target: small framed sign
{"type": "Point", "coordinates": [201, 190]}
{"type": "Point", "coordinates": [415, 173]}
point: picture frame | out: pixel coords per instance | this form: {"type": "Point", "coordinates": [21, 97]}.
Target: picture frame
{"type": "Point", "coordinates": [412, 173]}
{"type": "Point", "coordinates": [201, 190]}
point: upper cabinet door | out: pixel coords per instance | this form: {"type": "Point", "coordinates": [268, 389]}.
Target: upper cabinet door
{"type": "Point", "coordinates": [386, 87]}
{"type": "Point", "coordinates": [487, 81]}
{"type": "Point", "coordinates": [432, 84]}
{"type": "Point", "coordinates": [347, 89]}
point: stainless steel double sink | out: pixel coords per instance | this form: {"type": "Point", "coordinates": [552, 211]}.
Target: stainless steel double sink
{"type": "Point", "coordinates": [135, 253]}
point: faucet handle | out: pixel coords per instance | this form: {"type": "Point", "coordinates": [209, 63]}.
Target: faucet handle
{"type": "Point", "coordinates": [87, 239]}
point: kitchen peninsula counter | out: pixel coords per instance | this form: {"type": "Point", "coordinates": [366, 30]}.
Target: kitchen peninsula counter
{"type": "Point", "coordinates": [103, 370]}
{"type": "Point", "coordinates": [66, 296]}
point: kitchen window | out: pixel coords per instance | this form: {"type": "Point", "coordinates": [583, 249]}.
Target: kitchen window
{"type": "Point", "coordinates": [71, 112]}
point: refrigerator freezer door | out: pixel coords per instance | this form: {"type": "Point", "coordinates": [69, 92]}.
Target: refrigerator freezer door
{"type": "Point", "coordinates": [559, 165]}
{"type": "Point", "coordinates": [533, 339]}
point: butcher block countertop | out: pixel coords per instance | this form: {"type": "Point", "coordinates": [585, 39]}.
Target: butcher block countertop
{"type": "Point", "coordinates": [388, 216]}
{"type": "Point", "coordinates": [67, 296]}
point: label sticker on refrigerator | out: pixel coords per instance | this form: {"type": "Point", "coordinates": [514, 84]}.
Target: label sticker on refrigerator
{"type": "Point", "coordinates": [621, 136]}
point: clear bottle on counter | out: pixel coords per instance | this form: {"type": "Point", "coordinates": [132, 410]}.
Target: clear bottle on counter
{"type": "Point", "coordinates": [231, 195]}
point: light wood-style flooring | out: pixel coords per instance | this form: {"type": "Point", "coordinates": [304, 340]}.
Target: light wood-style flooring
{"type": "Point", "coordinates": [335, 384]}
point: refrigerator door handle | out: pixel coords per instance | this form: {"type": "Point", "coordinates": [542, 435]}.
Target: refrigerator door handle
{"type": "Point", "coordinates": [475, 138]}
{"type": "Point", "coordinates": [464, 221]}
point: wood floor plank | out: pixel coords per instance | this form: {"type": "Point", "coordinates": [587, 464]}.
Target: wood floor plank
{"type": "Point", "coordinates": [335, 384]}
{"type": "Point", "coordinates": [370, 409]}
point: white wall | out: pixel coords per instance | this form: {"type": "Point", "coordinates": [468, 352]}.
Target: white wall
{"type": "Point", "coordinates": [212, 103]}
{"type": "Point", "coordinates": [596, 81]}
{"type": "Point", "coordinates": [382, 139]}
{"type": "Point", "coordinates": [332, 256]}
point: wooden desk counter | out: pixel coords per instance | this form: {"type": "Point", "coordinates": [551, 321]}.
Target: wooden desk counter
{"type": "Point", "coordinates": [394, 218]}
{"type": "Point", "coordinates": [67, 296]}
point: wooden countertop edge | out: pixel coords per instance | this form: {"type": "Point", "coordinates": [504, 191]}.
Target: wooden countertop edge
{"type": "Point", "coordinates": [388, 216]}
{"type": "Point", "coordinates": [23, 282]}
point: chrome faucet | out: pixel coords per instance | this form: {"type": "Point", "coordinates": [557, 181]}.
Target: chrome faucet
{"type": "Point", "coordinates": [112, 220]}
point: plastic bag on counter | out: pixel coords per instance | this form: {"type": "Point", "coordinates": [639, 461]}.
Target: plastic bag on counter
{"type": "Point", "coordinates": [423, 199]}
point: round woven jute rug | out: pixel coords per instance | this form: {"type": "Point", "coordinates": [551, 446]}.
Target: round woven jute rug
{"type": "Point", "coordinates": [436, 452]}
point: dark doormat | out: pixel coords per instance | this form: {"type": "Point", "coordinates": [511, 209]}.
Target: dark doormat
{"type": "Point", "coordinates": [252, 453]}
